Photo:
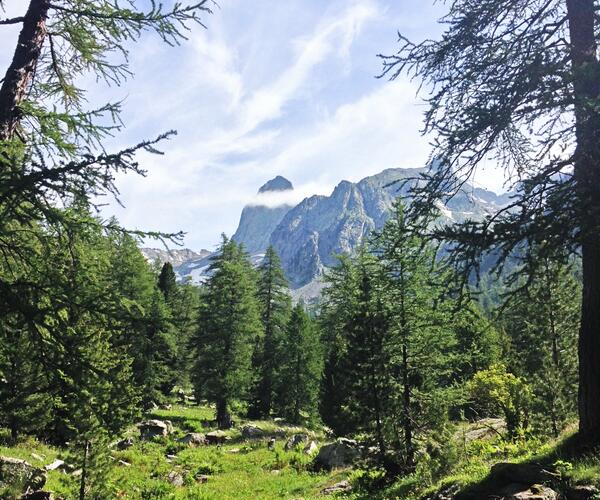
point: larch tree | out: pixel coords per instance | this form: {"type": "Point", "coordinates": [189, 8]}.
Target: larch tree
{"type": "Point", "coordinates": [228, 324]}
{"type": "Point", "coordinates": [275, 306]}
{"type": "Point", "coordinates": [297, 388]}
{"type": "Point", "coordinates": [516, 81]}
{"type": "Point", "coordinates": [422, 336]}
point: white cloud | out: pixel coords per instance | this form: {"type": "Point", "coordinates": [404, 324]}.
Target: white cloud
{"type": "Point", "coordinates": [274, 199]}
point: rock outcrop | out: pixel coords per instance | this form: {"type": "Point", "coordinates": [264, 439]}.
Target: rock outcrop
{"type": "Point", "coordinates": [19, 475]}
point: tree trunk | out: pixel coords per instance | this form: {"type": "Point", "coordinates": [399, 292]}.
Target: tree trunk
{"type": "Point", "coordinates": [22, 69]}
{"type": "Point", "coordinates": [586, 88]}
{"type": "Point", "coordinates": [407, 424]}
{"type": "Point", "coordinates": [84, 467]}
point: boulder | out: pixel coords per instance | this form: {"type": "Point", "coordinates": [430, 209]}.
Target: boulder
{"type": "Point", "coordinates": [341, 487]}
{"type": "Point", "coordinates": [252, 432]}
{"type": "Point", "coordinates": [216, 437]}
{"type": "Point", "coordinates": [340, 453]}
{"type": "Point", "coordinates": [518, 491]}
{"type": "Point", "coordinates": [202, 478]}
{"type": "Point", "coordinates": [582, 492]}
{"type": "Point", "coordinates": [19, 474]}
{"type": "Point", "coordinates": [57, 464]}
{"type": "Point", "coordinates": [152, 428]}
{"type": "Point", "coordinates": [528, 474]}
{"type": "Point", "coordinates": [175, 478]}
{"type": "Point", "coordinates": [296, 440]}
{"type": "Point", "coordinates": [125, 443]}
{"type": "Point", "coordinates": [193, 439]}
{"type": "Point", "coordinates": [485, 428]}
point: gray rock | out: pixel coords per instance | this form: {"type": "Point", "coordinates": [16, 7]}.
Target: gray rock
{"type": "Point", "coordinates": [296, 440]}
{"type": "Point", "coordinates": [252, 432]}
{"type": "Point", "coordinates": [176, 479]}
{"type": "Point", "coordinates": [257, 222]}
{"type": "Point", "coordinates": [124, 444]}
{"type": "Point", "coordinates": [308, 235]}
{"type": "Point", "coordinates": [216, 437]}
{"type": "Point", "coordinates": [152, 428]}
{"type": "Point", "coordinates": [341, 487]}
{"type": "Point", "coordinates": [517, 491]}
{"type": "Point", "coordinates": [341, 453]}
{"type": "Point", "coordinates": [202, 478]}
{"type": "Point", "coordinates": [57, 464]}
{"type": "Point", "coordinates": [193, 439]}
{"type": "Point", "coordinates": [19, 474]}
{"type": "Point", "coordinates": [486, 428]}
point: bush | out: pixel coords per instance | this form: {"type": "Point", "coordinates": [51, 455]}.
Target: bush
{"type": "Point", "coordinates": [496, 392]}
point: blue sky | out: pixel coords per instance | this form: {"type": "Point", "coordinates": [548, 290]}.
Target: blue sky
{"type": "Point", "coordinates": [271, 87]}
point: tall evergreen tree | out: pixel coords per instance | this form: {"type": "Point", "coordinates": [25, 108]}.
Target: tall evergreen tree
{"type": "Point", "coordinates": [299, 373]}
{"type": "Point", "coordinates": [422, 337]}
{"type": "Point", "coordinates": [229, 322]}
{"type": "Point", "coordinates": [338, 303]}
{"type": "Point", "coordinates": [517, 81]}
{"type": "Point", "coordinates": [275, 305]}
{"type": "Point", "coordinates": [368, 359]}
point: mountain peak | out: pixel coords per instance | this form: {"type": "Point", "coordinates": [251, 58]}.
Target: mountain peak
{"type": "Point", "coordinates": [278, 183]}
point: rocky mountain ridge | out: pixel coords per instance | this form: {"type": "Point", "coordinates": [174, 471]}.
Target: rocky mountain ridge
{"type": "Point", "coordinates": [309, 235]}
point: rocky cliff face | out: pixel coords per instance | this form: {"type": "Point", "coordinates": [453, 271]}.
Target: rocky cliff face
{"type": "Point", "coordinates": [257, 221]}
{"type": "Point", "coordinates": [309, 235]}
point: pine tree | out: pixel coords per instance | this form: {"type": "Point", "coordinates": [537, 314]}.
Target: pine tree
{"type": "Point", "coordinates": [299, 373]}
{"type": "Point", "coordinates": [143, 322]}
{"type": "Point", "coordinates": [229, 322]}
{"type": "Point", "coordinates": [422, 337]}
{"type": "Point", "coordinates": [26, 401]}
{"type": "Point", "coordinates": [368, 358]}
{"type": "Point", "coordinates": [167, 281]}
{"type": "Point", "coordinates": [338, 303]}
{"type": "Point", "coordinates": [275, 306]}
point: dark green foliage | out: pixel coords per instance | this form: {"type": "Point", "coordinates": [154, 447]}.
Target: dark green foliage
{"type": "Point", "coordinates": [299, 370]}
{"type": "Point", "coordinates": [542, 321]}
{"type": "Point", "coordinates": [26, 402]}
{"type": "Point", "coordinates": [275, 305]}
{"type": "Point", "coordinates": [228, 325]}
{"type": "Point", "coordinates": [144, 322]}
{"type": "Point", "coordinates": [397, 348]}
{"type": "Point", "coordinates": [167, 281]}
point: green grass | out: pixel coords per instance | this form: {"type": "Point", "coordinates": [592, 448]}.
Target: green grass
{"type": "Point", "coordinates": [470, 466]}
{"type": "Point", "coordinates": [240, 469]}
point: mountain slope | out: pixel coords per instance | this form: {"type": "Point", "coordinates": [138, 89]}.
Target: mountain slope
{"type": "Point", "coordinates": [309, 235]}
{"type": "Point", "coordinates": [317, 229]}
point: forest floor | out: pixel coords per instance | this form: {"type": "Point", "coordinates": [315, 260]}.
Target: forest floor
{"type": "Point", "coordinates": [240, 468]}
{"type": "Point", "coordinates": [249, 468]}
